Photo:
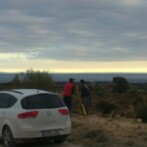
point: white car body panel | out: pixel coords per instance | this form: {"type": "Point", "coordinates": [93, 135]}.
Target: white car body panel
{"type": "Point", "coordinates": [47, 119]}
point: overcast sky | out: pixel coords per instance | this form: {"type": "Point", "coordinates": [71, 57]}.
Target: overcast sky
{"type": "Point", "coordinates": [73, 35]}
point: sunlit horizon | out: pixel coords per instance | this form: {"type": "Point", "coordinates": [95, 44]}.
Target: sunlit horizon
{"type": "Point", "coordinates": [76, 72]}
{"type": "Point", "coordinates": [76, 67]}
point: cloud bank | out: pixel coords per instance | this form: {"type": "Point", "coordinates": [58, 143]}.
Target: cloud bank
{"type": "Point", "coordinates": [79, 30]}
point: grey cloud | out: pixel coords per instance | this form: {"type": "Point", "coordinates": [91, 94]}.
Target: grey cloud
{"type": "Point", "coordinates": [79, 30]}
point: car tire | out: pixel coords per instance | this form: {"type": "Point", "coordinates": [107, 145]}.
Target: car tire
{"type": "Point", "coordinates": [8, 138]}
{"type": "Point", "coordinates": [59, 140]}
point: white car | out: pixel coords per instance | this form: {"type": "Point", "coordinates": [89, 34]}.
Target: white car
{"type": "Point", "coordinates": [32, 115]}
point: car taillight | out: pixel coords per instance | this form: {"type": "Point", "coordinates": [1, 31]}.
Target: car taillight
{"type": "Point", "coordinates": [64, 111]}
{"type": "Point", "coordinates": [24, 115]}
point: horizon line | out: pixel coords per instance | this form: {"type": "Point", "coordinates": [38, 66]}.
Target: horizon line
{"type": "Point", "coordinates": [1, 72]}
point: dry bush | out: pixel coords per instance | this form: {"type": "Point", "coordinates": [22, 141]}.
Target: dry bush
{"type": "Point", "coordinates": [97, 135]}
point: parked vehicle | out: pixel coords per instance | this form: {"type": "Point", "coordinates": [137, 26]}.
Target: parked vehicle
{"type": "Point", "coordinates": [32, 115]}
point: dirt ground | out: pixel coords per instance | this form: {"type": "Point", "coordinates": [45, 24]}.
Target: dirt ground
{"type": "Point", "coordinates": [98, 131]}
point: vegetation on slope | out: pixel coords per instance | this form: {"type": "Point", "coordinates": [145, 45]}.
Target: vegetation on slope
{"type": "Point", "coordinates": [110, 101]}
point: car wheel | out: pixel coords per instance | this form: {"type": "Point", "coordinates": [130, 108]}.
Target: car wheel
{"type": "Point", "coordinates": [8, 138]}
{"type": "Point", "coordinates": [59, 140]}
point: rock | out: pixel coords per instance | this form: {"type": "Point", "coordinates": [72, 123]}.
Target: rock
{"type": "Point", "coordinates": [117, 116]}
{"type": "Point", "coordinates": [139, 120]}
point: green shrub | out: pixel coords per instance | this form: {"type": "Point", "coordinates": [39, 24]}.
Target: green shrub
{"type": "Point", "coordinates": [34, 79]}
{"type": "Point", "coordinates": [105, 107]}
{"type": "Point", "coordinates": [142, 113]}
{"type": "Point", "coordinates": [99, 91]}
{"type": "Point", "coordinates": [120, 85]}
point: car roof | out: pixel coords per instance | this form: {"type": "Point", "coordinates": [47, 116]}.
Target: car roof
{"type": "Point", "coordinates": [20, 93]}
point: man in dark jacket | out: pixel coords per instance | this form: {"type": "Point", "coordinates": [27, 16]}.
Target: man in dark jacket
{"type": "Point", "coordinates": [85, 95]}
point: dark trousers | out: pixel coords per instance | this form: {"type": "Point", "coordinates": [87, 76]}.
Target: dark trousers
{"type": "Point", "coordinates": [87, 102]}
{"type": "Point", "coordinates": [68, 102]}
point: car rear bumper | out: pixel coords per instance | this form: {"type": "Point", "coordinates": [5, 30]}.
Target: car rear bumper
{"type": "Point", "coordinates": [40, 133]}
{"type": "Point", "coordinates": [40, 139]}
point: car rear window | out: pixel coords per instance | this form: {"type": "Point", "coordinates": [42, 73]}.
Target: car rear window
{"type": "Point", "coordinates": [42, 101]}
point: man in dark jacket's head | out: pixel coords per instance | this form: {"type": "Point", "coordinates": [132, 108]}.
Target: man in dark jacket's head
{"type": "Point", "coordinates": [82, 81]}
{"type": "Point", "coordinates": [71, 80]}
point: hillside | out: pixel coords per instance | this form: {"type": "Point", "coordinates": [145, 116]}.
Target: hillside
{"type": "Point", "coordinates": [108, 127]}
{"type": "Point", "coordinates": [98, 131]}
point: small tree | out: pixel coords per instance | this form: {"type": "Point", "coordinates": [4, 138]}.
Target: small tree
{"type": "Point", "coordinates": [120, 85]}
{"type": "Point", "coordinates": [34, 79]}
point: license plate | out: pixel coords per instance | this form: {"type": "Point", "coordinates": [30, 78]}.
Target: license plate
{"type": "Point", "coordinates": [51, 132]}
